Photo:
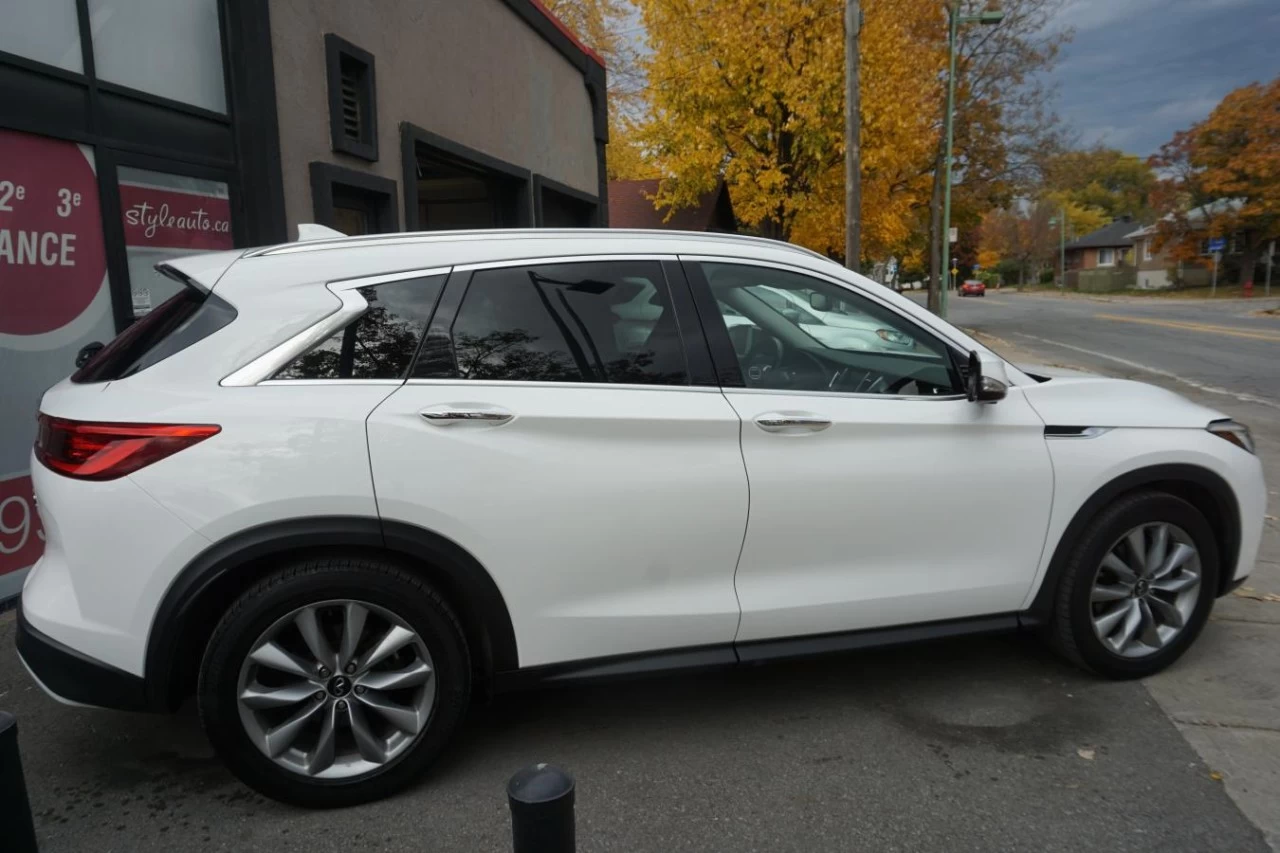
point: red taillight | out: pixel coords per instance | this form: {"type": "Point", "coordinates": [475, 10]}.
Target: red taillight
{"type": "Point", "coordinates": [105, 451]}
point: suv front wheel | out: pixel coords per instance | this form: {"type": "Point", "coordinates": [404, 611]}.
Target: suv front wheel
{"type": "Point", "coordinates": [1138, 586]}
{"type": "Point", "coordinates": [334, 682]}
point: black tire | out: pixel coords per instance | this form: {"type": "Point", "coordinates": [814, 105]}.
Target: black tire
{"type": "Point", "coordinates": [307, 582]}
{"type": "Point", "coordinates": [1071, 630]}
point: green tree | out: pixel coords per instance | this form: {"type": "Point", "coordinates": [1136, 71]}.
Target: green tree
{"type": "Point", "coordinates": [1096, 185]}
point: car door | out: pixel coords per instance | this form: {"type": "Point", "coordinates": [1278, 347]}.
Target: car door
{"type": "Point", "coordinates": [879, 494]}
{"type": "Point", "coordinates": [576, 443]}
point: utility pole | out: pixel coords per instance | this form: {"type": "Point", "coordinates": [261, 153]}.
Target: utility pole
{"type": "Point", "coordinates": [1062, 251]}
{"type": "Point", "coordinates": [1271, 251]}
{"type": "Point", "coordinates": [953, 23]}
{"type": "Point", "coordinates": [990, 17]}
{"type": "Point", "coordinates": [852, 140]}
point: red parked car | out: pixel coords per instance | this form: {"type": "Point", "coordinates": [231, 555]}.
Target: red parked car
{"type": "Point", "coordinates": [973, 287]}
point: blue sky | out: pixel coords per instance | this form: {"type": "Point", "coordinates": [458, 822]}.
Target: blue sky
{"type": "Point", "coordinates": [1139, 70]}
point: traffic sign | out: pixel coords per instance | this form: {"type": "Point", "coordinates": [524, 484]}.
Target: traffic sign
{"type": "Point", "coordinates": [1217, 244]}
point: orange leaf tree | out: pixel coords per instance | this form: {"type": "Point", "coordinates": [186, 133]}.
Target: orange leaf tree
{"type": "Point", "coordinates": [1223, 178]}
{"type": "Point", "coordinates": [752, 91]}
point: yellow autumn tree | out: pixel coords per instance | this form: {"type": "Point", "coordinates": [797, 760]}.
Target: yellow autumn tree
{"type": "Point", "coordinates": [751, 91]}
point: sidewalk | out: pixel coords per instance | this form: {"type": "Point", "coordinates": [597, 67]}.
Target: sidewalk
{"type": "Point", "coordinates": [1260, 303]}
{"type": "Point", "coordinates": [1224, 695]}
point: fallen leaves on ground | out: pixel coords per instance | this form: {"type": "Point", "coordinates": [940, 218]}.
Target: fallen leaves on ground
{"type": "Point", "coordinates": [1250, 592]}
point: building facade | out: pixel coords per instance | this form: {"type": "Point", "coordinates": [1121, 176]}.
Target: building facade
{"type": "Point", "coordinates": [136, 130]}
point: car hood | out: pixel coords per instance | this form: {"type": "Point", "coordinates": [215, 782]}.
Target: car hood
{"type": "Point", "coordinates": [1082, 400]}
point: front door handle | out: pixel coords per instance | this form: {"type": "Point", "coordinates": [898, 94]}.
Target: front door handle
{"type": "Point", "coordinates": [445, 415]}
{"type": "Point", "coordinates": [792, 422]}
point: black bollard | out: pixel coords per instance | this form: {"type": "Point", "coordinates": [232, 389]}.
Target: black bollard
{"type": "Point", "coordinates": [541, 801]}
{"type": "Point", "coordinates": [16, 828]}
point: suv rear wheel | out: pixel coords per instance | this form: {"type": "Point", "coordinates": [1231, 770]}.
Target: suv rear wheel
{"type": "Point", "coordinates": [1138, 586]}
{"type": "Point", "coordinates": [334, 682]}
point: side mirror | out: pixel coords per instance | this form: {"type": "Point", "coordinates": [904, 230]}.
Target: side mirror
{"type": "Point", "coordinates": [87, 352]}
{"type": "Point", "coordinates": [980, 388]}
{"type": "Point", "coordinates": [819, 301]}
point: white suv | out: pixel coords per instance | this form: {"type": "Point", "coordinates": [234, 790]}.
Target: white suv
{"type": "Point", "coordinates": [336, 487]}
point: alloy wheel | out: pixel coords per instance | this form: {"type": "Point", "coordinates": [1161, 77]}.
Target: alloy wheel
{"type": "Point", "coordinates": [336, 689]}
{"type": "Point", "coordinates": [1145, 589]}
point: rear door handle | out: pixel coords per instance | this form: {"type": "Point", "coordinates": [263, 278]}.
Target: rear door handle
{"type": "Point", "coordinates": [444, 415]}
{"type": "Point", "coordinates": [792, 422]}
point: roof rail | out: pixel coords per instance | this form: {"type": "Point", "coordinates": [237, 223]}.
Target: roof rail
{"type": "Point", "coordinates": [529, 233]}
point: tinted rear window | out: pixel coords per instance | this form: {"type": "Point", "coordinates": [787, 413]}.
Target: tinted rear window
{"type": "Point", "coordinates": [174, 325]}
{"type": "Point", "coordinates": [381, 343]}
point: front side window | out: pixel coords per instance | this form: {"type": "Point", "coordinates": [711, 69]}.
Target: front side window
{"type": "Point", "coordinates": [792, 332]}
{"type": "Point", "coordinates": [380, 343]}
{"type": "Point", "coordinates": [584, 322]}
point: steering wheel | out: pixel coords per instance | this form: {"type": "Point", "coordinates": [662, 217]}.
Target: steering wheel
{"type": "Point", "coordinates": [792, 373]}
{"type": "Point", "coordinates": [758, 352]}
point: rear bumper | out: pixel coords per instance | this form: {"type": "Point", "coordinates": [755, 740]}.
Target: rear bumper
{"type": "Point", "coordinates": [74, 678]}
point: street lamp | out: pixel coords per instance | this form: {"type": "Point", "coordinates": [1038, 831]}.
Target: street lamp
{"type": "Point", "coordinates": [1061, 221]}
{"type": "Point", "coordinates": [955, 19]}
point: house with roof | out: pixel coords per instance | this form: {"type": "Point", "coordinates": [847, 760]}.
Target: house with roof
{"type": "Point", "coordinates": [631, 206]}
{"type": "Point", "coordinates": [1109, 246]}
{"type": "Point", "coordinates": [1103, 259]}
{"type": "Point", "coordinates": [1156, 269]}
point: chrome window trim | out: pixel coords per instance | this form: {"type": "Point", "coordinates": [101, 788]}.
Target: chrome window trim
{"type": "Point", "coordinates": [296, 382]}
{"type": "Point", "coordinates": [777, 392]}
{"type": "Point", "coordinates": [530, 383]}
{"type": "Point", "coordinates": [351, 306]}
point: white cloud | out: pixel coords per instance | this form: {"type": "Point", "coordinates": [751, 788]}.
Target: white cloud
{"type": "Point", "coordinates": [1185, 111]}
{"type": "Point", "coordinates": [1087, 15]}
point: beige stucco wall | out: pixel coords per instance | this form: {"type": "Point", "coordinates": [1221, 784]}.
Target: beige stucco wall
{"type": "Point", "coordinates": [468, 70]}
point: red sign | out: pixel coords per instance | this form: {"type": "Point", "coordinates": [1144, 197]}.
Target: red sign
{"type": "Point", "coordinates": [21, 535]}
{"type": "Point", "coordinates": [173, 219]}
{"type": "Point", "coordinates": [51, 257]}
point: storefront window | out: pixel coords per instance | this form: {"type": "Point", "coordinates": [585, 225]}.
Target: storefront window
{"type": "Point", "coordinates": [54, 299]}
{"type": "Point", "coordinates": [166, 216]}
{"type": "Point", "coordinates": [171, 48]}
{"type": "Point", "coordinates": [43, 30]}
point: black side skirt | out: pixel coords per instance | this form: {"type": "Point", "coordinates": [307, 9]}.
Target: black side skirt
{"type": "Point", "coordinates": [759, 651]}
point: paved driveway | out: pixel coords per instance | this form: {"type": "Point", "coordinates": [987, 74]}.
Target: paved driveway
{"type": "Point", "coordinates": [985, 744]}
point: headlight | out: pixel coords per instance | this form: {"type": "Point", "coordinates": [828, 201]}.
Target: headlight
{"type": "Point", "coordinates": [895, 337]}
{"type": "Point", "coordinates": [1236, 433]}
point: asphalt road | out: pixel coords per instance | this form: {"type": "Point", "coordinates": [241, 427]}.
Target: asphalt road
{"type": "Point", "coordinates": [975, 745]}
{"type": "Point", "coordinates": [1224, 347]}
{"type": "Point", "coordinates": [983, 744]}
